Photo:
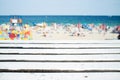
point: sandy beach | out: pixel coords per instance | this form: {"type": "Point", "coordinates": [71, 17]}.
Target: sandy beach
{"type": "Point", "coordinates": [66, 36]}
{"type": "Point", "coordinates": [55, 32]}
{"type": "Point", "coordinates": [63, 34]}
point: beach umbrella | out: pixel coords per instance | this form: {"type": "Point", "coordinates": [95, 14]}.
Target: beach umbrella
{"type": "Point", "coordinates": [12, 36]}
{"type": "Point", "coordinates": [27, 33]}
{"type": "Point", "coordinates": [86, 27]}
{"type": "Point", "coordinates": [0, 32]}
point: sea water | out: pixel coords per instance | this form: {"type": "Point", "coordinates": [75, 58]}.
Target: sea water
{"type": "Point", "coordinates": [64, 19]}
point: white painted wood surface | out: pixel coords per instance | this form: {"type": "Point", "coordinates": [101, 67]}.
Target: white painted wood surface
{"type": "Point", "coordinates": [59, 76]}
{"type": "Point", "coordinates": [62, 45]}
{"type": "Point", "coordinates": [60, 66]}
{"type": "Point", "coordinates": [59, 60]}
{"type": "Point", "coordinates": [107, 57]}
{"type": "Point", "coordinates": [59, 51]}
{"type": "Point", "coordinates": [63, 41]}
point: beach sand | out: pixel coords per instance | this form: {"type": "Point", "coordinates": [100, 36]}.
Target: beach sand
{"type": "Point", "coordinates": [57, 33]}
{"type": "Point", "coordinates": [64, 35]}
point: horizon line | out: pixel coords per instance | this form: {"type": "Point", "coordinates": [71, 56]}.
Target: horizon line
{"type": "Point", "coordinates": [56, 15]}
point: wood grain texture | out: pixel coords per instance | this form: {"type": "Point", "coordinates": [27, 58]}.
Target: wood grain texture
{"type": "Point", "coordinates": [59, 76]}
{"type": "Point", "coordinates": [59, 60]}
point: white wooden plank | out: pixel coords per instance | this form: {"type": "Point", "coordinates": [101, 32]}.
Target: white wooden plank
{"type": "Point", "coordinates": [55, 51]}
{"type": "Point", "coordinates": [62, 45]}
{"type": "Point", "coordinates": [60, 65]}
{"type": "Point", "coordinates": [59, 76]}
{"type": "Point", "coordinates": [61, 41]}
{"type": "Point", "coordinates": [62, 57]}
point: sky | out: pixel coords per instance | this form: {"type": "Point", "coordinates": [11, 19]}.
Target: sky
{"type": "Point", "coordinates": [59, 7]}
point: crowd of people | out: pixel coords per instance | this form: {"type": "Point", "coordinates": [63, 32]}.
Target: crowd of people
{"type": "Point", "coordinates": [15, 30]}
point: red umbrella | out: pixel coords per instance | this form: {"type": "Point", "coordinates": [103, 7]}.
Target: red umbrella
{"type": "Point", "coordinates": [12, 36]}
